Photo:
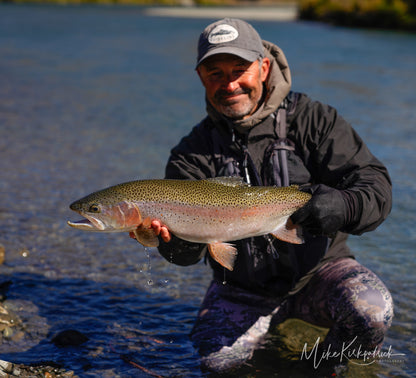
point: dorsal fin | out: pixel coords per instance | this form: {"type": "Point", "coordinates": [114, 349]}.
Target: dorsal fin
{"type": "Point", "coordinates": [229, 181]}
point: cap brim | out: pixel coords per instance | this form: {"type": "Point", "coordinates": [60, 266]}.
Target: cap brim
{"type": "Point", "coordinates": [250, 56]}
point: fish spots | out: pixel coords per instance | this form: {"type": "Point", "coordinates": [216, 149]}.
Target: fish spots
{"type": "Point", "coordinates": [202, 211]}
{"type": "Point", "coordinates": [214, 193]}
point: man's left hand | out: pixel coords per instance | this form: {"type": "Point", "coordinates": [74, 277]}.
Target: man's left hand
{"type": "Point", "coordinates": [325, 213]}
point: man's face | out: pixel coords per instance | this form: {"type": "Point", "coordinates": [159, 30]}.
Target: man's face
{"type": "Point", "coordinates": [233, 85]}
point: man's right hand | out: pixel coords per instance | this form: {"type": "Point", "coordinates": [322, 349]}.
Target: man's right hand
{"type": "Point", "coordinates": [158, 229]}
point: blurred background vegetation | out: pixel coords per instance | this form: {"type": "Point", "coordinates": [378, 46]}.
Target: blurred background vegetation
{"type": "Point", "coordinates": [389, 14]}
{"type": "Point", "coordinates": [384, 14]}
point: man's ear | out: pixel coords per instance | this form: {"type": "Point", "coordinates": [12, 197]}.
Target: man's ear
{"type": "Point", "coordinates": [265, 69]}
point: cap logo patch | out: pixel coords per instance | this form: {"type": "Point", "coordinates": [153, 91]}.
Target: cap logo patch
{"type": "Point", "coordinates": [222, 33]}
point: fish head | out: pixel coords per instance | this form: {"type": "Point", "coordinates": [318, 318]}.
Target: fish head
{"type": "Point", "coordinates": [95, 216]}
{"type": "Point", "coordinates": [106, 214]}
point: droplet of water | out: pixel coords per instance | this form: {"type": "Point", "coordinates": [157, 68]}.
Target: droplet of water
{"type": "Point", "coordinates": [149, 267]}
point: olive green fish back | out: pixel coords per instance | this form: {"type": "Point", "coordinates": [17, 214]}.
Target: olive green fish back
{"type": "Point", "coordinates": [212, 192]}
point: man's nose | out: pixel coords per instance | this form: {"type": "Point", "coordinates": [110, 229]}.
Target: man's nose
{"type": "Point", "coordinates": [230, 84]}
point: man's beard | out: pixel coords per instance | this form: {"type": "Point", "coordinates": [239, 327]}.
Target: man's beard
{"type": "Point", "coordinates": [227, 108]}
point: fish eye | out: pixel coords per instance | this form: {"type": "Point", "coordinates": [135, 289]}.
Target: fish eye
{"type": "Point", "coordinates": [94, 208]}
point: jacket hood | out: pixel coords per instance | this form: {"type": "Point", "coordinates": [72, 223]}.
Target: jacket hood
{"type": "Point", "coordinates": [277, 87]}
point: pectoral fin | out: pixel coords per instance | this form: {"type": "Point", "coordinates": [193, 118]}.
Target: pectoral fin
{"type": "Point", "coordinates": [145, 235]}
{"type": "Point", "coordinates": [223, 253]}
{"type": "Point", "coordinates": [289, 232]}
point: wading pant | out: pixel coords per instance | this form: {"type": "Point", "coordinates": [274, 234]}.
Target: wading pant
{"type": "Point", "coordinates": [343, 296]}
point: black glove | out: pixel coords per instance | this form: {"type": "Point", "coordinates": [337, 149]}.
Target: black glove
{"type": "Point", "coordinates": [328, 211]}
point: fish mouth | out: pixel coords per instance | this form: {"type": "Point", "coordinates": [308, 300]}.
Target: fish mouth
{"type": "Point", "coordinates": [88, 224]}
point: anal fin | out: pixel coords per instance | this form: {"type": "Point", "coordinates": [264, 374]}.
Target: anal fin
{"type": "Point", "coordinates": [223, 253]}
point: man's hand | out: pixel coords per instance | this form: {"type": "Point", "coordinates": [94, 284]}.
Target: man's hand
{"type": "Point", "coordinates": [327, 211]}
{"type": "Point", "coordinates": [158, 229]}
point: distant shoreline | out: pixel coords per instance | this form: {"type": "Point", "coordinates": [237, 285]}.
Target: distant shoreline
{"type": "Point", "coordinates": [395, 16]}
{"type": "Point", "coordinates": [284, 12]}
{"type": "Point", "coordinates": [249, 10]}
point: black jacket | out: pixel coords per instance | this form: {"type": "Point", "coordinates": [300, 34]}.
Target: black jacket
{"type": "Point", "coordinates": [326, 151]}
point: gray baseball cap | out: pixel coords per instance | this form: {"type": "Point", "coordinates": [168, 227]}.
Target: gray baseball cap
{"type": "Point", "coordinates": [230, 36]}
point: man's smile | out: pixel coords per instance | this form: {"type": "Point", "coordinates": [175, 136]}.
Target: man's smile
{"type": "Point", "coordinates": [224, 96]}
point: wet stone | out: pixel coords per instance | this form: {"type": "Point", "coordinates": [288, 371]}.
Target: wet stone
{"type": "Point", "coordinates": [8, 320]}
{"type": "Point", "coordinates": [8, 332]}
{"type": "Point", "coordinates": [9, 369]}
{"type": "Point", "coordinates": [2, 253]}
{"type": "Point", "coordinates": [6, 367]}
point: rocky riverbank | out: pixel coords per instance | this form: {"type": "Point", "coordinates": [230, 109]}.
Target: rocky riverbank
{"type": "Point", "coordinates": [10, 370]}
{"type": "Point", "coordinates": [13, 331]}
{"type": "Point", "coordinates": [19, 321]}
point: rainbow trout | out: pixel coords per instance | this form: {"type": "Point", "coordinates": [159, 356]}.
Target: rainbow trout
{"type": "Point", "coordinates": [212, 211]}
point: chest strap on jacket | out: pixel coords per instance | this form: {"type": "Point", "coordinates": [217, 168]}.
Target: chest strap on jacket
{"type": "Point", "coordinates": [278, 156]}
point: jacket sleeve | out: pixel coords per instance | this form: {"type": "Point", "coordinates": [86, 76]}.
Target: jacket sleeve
{"type": "Point", "coordinates": [336, 156]}
{"type": "Point", "coordinates": [190, 159]}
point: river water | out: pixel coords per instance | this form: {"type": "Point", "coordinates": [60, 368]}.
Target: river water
{"type": "Point", "coordinates": [94, 96]}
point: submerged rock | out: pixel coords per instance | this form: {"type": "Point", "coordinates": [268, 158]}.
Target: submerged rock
{"type": "Point", "coordinates": [10, 324]}
{"type": "Point", "coordinates": [70, 337]}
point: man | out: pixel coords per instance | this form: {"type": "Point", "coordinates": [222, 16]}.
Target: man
{"type": "Point", "coordinates": [259, 130]}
